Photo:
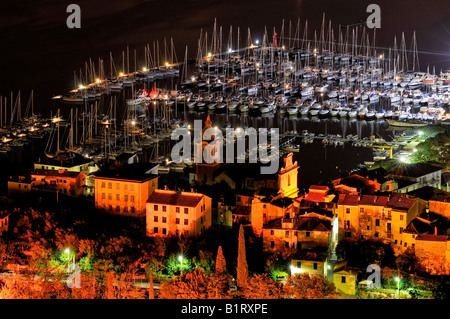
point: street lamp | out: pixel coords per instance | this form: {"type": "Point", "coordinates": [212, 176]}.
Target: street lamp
{"type": "Point", "coordinates": [67, 251]}
{"type": "Point", "coordinates": [180, 258]}
{"type": "Point", "coordinates": [397, 279]}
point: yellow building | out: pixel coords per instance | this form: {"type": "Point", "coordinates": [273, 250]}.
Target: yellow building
{"type": "Point", "coordinates": [307, 231]}
{"type": "Point", "coordinates": [19, 184]}
{"type": "Point", "coordinates": [345, 281]}
{"type": "Point", "coordinates": [309, 262]}
{"type": "Point", "coordinates": [177, 213]}
{"type": "Point", "coordinates": [125, 191]}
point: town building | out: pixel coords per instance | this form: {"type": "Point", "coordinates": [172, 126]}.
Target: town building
{"type": "Point", "coordinates": [4, 222]}
{"type": "Point", "coordinates": [124, 191]}
{"type": "Point", "coordinates": [170, 212]}
{"type": "Point", "coordinates": [414, 176]}
{"type": "Point", "coordinates": [63, 181]}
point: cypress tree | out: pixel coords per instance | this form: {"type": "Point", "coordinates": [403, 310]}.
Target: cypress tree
{"type": "Point", "coordinates": [242, 267]}
{"type": "Point", "coordinates": [221, 266]}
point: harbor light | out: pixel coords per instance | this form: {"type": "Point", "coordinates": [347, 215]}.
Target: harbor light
{"type": "Point", "coordinates": [144, 69]}
{"type": "Point", "coordinates": [415, 150]}
{"type": "Point", "coordinates": [81, 86]}
{"type": "Point", "coordinates": [167, 64]}
{"type": "Point", "coordinates": [230, 50]}
{"type": "Point", "coordinates": [209, 54]}
{"type": "Point", "coordinates": [98, 80]}
{"type": "Point", "coordinates": [256, 42]}
{"type": "Point", "coordinates": [420, 133]}
{"type": "Point", "coordinates": [121, 74]}
{"type": "Point", "coordinates": [193, 79]}
{"type": "Point", "coordinates": [133, 122]}
{"type": "Point", "coordinates": [381, 56]}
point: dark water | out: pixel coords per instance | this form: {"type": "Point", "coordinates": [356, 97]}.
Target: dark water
{"type": "Point", "coordinates": [39, 52]}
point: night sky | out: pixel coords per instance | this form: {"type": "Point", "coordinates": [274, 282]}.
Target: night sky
{"type": "Point", "coordinates": [39, 52]}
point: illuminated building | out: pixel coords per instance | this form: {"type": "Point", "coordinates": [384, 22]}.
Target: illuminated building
{"type": "Point", "coordinates": [125, 191]}
{"type": "Point", "coordinates": [177, 213]}
{"type": "Point", "coordinates": [66, 182]}
{"type": "Point", "coordinates": [4, 222]}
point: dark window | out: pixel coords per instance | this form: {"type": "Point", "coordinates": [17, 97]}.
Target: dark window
{"type": "Point", "coordinates": [272, 232]}
{"type": "Point", "coordinates": [315, 266]}
{"type": "Point", "coordinates": [164, 219]}
{"type": "Point", "coordinates": [186, 210]}
{"type": "Point", "coordinates": [272, 244]}
{"type": "Point", "coordinates": [343, 279]}
{"type": "Point", "coordinates": [155, 230]}
{"type": "Point", "coordinates": [377, 222]}
{"type": "Point", "coordinates": [186, 221]}
{"type": "Point", "coordinates": [177, 221]}
{"type": "Point", "coordinates": [155, 219]}
{"type": "Point", "coordinates": [164, 208]}
{"type": "Point", "coordinates": [177, 209]}
{"type": "Point", "coordinates": [155, 208]}
{"type": "Point", "coordinates": [164, 231]}
{"type": "Point", "coordinates": [299, 264]}
{"type": "Point", "coordinates": [307, 234]}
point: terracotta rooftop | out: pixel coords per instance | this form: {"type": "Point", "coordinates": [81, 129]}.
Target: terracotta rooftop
{"type": "Point", "coordinates": [373, 200]}
{"type": "Point", "coordinates": [428, 237]}
{"type": "Point", "coordinates": [173, 198]}
{"type": "Point", "coordinates": [401, 202]}
{"type": "Point", "coordinates": [54, 172]}
{"type": "Point", "coordinates": [348, 200]}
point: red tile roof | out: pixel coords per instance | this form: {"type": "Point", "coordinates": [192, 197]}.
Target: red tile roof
{"type": "Point", "coordinates": [428, 237]}
{"type": "Point", "coordinates": [56, 173]}
{"type": "Point", "coordinates": [373, 200]}
{"type": "Point", "coordinates": [401, 202]}
{"type": "Point", "coordinates": [348, 200]}
{"type": "Point", "coordinates": [318, 188]}
{"type": "Point", "coordinates": [175, 199]}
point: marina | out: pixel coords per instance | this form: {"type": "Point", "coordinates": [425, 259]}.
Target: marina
{"type": "Point", "coordinates": [338, 76]}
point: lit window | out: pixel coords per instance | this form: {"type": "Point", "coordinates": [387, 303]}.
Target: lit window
{"type": "Point", "coordinates": [103, 184]}
{"type": "Point", "coordinates": [110, 185]}
{"type": "Point", "coordinates": [109, 196]}
{"type": "Point", "coordinates": [132, 187]}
